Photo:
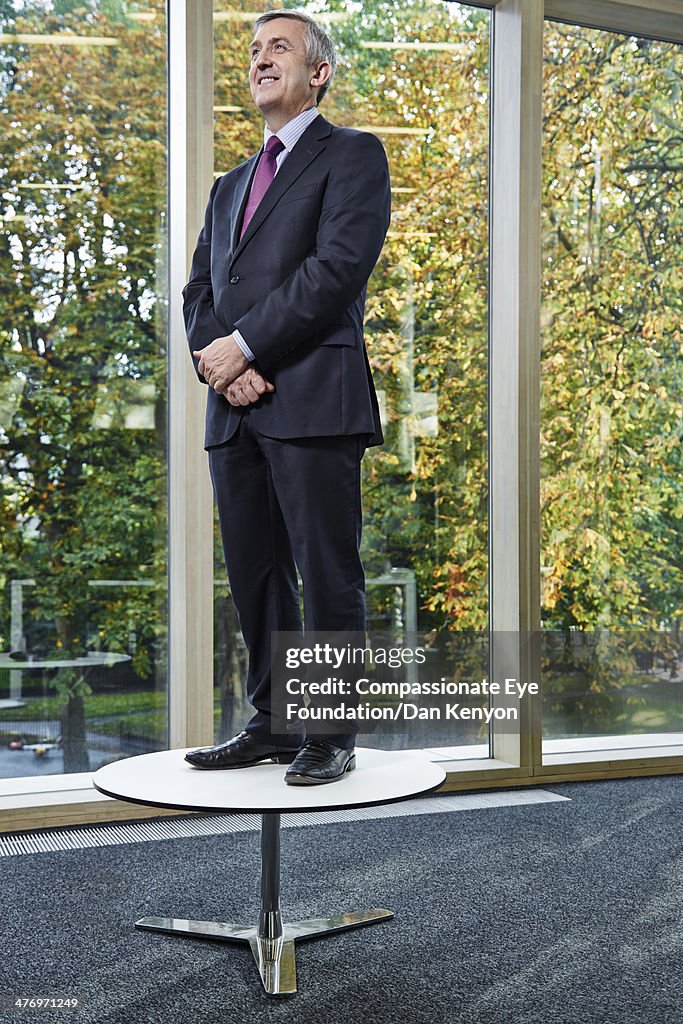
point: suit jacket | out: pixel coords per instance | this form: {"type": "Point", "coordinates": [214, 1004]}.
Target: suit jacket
{"type": "Point", "coordinates": [295, 284]}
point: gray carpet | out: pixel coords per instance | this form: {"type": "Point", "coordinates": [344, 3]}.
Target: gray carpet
{"type": "Point", "coordinates": [564, 912]}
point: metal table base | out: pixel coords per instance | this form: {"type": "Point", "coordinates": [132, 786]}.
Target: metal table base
{"type": "Point", "coordinates": [271, 941]}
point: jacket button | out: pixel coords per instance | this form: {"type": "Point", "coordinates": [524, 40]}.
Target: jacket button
{"type": "Point", "coordinates": [234, 279]}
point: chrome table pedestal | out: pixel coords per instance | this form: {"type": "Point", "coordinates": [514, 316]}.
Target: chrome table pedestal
{"type": "Point", "coordinates": [271, 941]}
{"type": "Point", "coordinates": [165, 779]}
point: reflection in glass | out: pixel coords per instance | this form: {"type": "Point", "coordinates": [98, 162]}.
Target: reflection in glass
{"type": "Point", "coordinates": [425, 491]}
{"type": "Point", "coordinates": [82, 396]}
{"type": "Point", "coordinates": [611, 385]}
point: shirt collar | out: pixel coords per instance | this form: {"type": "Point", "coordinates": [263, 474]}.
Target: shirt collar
{"type": "Point", "coordinates": [291, 132]}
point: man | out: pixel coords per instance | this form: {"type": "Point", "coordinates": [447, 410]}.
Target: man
{"type": "Point", "coordinates": [274, 315]}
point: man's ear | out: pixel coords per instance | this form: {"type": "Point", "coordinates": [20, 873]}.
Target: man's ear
{"type": "Point", "coordinates": [321, 75]}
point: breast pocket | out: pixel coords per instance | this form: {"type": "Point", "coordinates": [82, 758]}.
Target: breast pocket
{"type": "Point", "coordinates": [297, 193]}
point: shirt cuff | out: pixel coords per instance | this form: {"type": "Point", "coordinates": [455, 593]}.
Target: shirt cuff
{"type": "Point", "coordinates": [246, 351]}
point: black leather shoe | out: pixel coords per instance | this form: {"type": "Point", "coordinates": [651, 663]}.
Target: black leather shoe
{"type": "Point", "coordinates": [319, 761]}
{"type": "Point", "coordinates": [242, 751]}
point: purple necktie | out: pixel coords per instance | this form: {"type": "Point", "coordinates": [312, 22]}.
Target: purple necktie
{"type": "Point", "coordinates": [265, 172]}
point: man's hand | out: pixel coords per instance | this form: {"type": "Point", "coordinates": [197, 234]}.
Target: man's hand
{"type": "Point", "coordinates": [248, 387]}
{"type": "Point", "coordinates": [221, 362]}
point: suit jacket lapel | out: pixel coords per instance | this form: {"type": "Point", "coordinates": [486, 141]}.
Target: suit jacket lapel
{"type": "Point", "coordinates": [311, 143]}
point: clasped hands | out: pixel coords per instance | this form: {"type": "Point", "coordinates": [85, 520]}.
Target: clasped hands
{"type": "Point", "coordinates": [227, 370]}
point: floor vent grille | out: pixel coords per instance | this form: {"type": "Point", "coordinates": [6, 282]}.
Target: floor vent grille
{"type": "Point", "coordinates": [188, 827]}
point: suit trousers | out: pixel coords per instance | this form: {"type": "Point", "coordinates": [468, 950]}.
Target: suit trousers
{"type": "Point", "coordinates": [283, 504]}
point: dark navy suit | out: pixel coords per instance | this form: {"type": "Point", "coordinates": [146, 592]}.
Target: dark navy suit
{"type": "Point", "coordinates": [286, 470]}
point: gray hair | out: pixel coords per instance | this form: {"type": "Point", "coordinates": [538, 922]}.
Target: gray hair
{"type": "Point", "coordinates": [319, 46]}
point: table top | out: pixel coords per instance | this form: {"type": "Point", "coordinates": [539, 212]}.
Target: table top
{"type": "Point", "coordinates": [165, 779]}
{"type": "Point", "coordinates": [87, 661]}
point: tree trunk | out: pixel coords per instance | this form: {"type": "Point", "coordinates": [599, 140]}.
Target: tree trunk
{"type": "Point", "coordinates": [76, 757]}
{"type": "Point", "coordinates": [230, 671]}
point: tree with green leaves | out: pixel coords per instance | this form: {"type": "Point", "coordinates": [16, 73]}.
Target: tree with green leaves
{"type": "Point", "coordinates": [83, 325]}
{"type": "Point", "coordinates": [82, 333]}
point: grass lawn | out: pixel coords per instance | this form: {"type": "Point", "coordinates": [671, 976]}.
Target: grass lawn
{"type": "Point", "coordinates": [96, 705]}
{"type": "Point", "coordinates": [569, 710]}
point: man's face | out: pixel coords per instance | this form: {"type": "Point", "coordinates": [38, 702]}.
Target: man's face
{"type": "Point", "coordinates": [279, 76]}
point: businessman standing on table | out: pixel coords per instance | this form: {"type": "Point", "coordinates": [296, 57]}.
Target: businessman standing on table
{"type": "Point", "coordinates": [274, 316]}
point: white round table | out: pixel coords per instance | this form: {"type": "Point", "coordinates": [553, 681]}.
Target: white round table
{"type": "Point", "coordinates": [97, 658]}
{"type": "Point", "coordinates": [165, 779]}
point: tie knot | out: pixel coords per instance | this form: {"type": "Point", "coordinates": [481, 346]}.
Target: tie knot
{"type": "Point", "coordinates": [274, 145]}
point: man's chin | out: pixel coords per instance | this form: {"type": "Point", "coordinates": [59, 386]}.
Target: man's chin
{"type": "Point", "coordinates": [265, 102]}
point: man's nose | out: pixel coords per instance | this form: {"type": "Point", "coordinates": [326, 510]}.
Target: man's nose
{"type": "Point", "coordinates": [263, 62]}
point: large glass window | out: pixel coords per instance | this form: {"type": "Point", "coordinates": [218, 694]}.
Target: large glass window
{"type": "Point", "coordinates": [417, 75]}
{"type": "Point", "coordinates": [611, 390]}
{"type": "Point", "coordinates": [82, 394]}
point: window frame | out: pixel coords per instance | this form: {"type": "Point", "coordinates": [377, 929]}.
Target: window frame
{"type": "Point", "coordinates": [514, 410]}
